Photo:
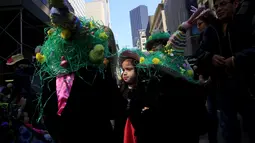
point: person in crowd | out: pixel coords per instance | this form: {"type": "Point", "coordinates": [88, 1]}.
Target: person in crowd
{"type": "Point", "coordinates": [229, 66]}
{"type": "Point", "coordinates": [27, 132]}
{"type": "Point", "coordinates": [23, 70]}
{"type": "Point", "coordinates": [5, 92]}
{"type": "Point", "coordinates": [22, 90]}
{"type": "Point", "coordinates": [136, 121]}
{"type": "Point", "coordinates": [208, 25]}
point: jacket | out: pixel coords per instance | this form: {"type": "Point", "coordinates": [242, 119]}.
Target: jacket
{"type": "Point", "coordinates": [131, 104]}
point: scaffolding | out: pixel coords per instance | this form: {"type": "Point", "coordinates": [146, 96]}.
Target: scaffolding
{"type": "Point", "coordinates": [4, 30]}
{"type": "Point", "coordinates": [20, 42]}
{"type": "Point", "coordinates": [19, 19]}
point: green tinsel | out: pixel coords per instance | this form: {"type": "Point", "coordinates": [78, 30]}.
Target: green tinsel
{"type": "Point", "coordinates": [155, 38]}
{"type": "Point", "coordinates": [175, 64]}
{"type": "Point", "coordinates": [159, 35]}
{"type": "Point", "coordinates": [76, 50]}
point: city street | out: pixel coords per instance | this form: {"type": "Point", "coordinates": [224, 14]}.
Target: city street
{"type": "Point", "coordinates": [204, 139]}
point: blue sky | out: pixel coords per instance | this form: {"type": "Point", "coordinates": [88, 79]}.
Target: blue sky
{"type": "Point", "coordinates": [120, 20]}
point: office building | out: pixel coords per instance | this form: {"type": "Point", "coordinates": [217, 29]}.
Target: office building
{"type": "Point", "coordinates": [141, 40]}
{"type": "Point", "coordinates": [99, 10]}
{"type": "Point", "coordinates": [139, 20]}
{"type": "Point", "coordinates": [79, 7]}
{"type": "Point", "coordinates": [149, 25]}
{"type": "Point", "coordinates": [159, 20]}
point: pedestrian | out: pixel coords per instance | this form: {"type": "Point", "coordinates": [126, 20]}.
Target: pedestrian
{"type": "Point", "coordinates": [208, 25]}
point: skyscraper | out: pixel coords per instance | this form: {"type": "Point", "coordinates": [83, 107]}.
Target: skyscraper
{"type": "Point", "coordinates": [99, 10]}
{"type": "Point", "coordinates": [138, 20]}
{"type": "Point", "coordinates": [79, 7]}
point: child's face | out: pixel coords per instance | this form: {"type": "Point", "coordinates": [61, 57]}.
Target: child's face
{"type": "Point", "coordinates": [129, 74]}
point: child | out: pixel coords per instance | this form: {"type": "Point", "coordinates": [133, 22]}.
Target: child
{"type": "Point", "coordinates": [136, 118]}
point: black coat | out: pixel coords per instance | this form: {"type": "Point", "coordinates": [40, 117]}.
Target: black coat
{"type": "Point", "coordinates": [209, 45]}
{"type": "Point", "coordinates": [179, 108]}
{"type": "Point", "coordinates": [87, 114]}
{"type": "Point", "coordinates": [182, 112]}
{"type": "Point", "coordinates": [130, 105]}
{"type": "Point", "coordinates": [236, 42]}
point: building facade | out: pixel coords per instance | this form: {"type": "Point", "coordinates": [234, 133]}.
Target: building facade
{"type": "Point", "coordinates": [23, 20]}
{"type": "Point", "coordinates": [79, 7]}
{"type": "Point", "coordinates": [142, 40]}
{"type": "Point", "coordinates": [138, 20]}
{"type": "Point", "coordinates": [99, 10]}
{"type": "Point", "coordinates": [159, 20]}
{"type": "Point", "coordinates": [176, 13]}
{"type": "Point", "coordinates": [150, 21]}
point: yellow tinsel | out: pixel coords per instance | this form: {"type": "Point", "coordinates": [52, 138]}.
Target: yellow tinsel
{"type": "Point", "coordinates": [49, 32]}
{"type": "Point", "coordinates": [40, 58]}
{"type": "Point", "coordinates": [142, 59]}
{"type": "Point", "coordinates": [91, 25]}
{"type": "Point", "coordinates": [65, 34]}
{"type": "Point", "coordinates": [156, 61]}
{"type": "Point", "coordinates": [103, 36]}
{"type": "Point", "coordinates": [190, 73]}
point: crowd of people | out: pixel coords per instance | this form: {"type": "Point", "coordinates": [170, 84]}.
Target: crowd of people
{"type": "Point", "coordinates": [150, 105]}
{"type": "Point", "coordinates": [17, 108]}
{"type": "Point", "coordinates": [225, 58]}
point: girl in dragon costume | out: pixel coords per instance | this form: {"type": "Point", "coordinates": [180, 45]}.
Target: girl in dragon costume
{"type": "Point", "coordinates": [181, 101]}
{"type": "Point", "coordinates": [137, 108]}
{"type": "Point", "coordinates": [78, 86]}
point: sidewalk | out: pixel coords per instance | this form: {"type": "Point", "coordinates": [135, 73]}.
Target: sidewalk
{"type": "Point", "coordinates": [245, 139]}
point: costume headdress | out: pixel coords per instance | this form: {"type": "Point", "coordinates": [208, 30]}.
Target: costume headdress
{"type": "Point", "coordinates": [71, 43]}
{"type": "Point", "coordinates": [157, 37]}
{"type": "Point", "coordinates": [170, 58]}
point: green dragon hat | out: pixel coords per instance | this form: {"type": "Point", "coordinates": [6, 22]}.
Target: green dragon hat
{"type": "Point", "coordinates": [175, 65]}
{"type": "Point", "coordinates": [170, 57]}
{"type": "Point", "coordinates": [157, 37]}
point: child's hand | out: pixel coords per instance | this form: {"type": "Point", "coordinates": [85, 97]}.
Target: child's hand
{"type": "Point", "coordinates": [145, 109]}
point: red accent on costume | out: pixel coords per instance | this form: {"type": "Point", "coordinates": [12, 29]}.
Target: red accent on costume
{"type": "Point", "coordinates": [129, 133]}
